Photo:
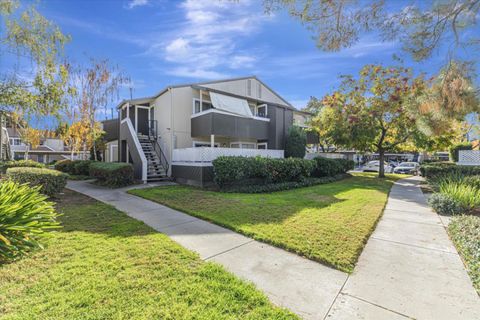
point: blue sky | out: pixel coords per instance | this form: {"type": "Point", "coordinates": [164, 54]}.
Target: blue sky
{"type": "Point", "coordinates": [159, 42]}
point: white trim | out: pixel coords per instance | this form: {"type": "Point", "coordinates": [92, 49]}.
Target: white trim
{"type": "Point", "coordinates": [266, 109]}
{"type": "Point", "coordinates": [263, 144]}
{"type": "Point", "coordinates": [201, 101]}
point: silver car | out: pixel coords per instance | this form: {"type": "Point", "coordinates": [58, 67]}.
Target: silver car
{"type": "Point", "coordinates": [407, 168]}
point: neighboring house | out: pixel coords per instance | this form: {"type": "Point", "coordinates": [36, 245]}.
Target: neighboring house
{"type": "Point", "coordinates": [180, 130]}
{"type": "Point", "coordinates": [50, 149]}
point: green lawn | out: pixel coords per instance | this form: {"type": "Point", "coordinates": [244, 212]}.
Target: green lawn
{"type": "Point", "coordinates": [105, 265]}
{"type": "Point", "coordinates": [329, 223]}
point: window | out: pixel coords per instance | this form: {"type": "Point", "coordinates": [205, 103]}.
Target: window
{"type": "Point", "coordinates": [40, 158]}
{"type": "Point", "coordinates": [199, 144]}
{"type": "Point", "coordinates": [262, 145]}
{"type": "Point", "coordinates": [205, 105]}
{"type": "Point", "coordinates": [242, 145]}
{"type": "Point", "coordinates": [15, 142]}
{"type": "Point", "coordinates": [262, 111]}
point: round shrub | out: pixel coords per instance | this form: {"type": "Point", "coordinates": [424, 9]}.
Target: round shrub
{"type": "Point", "coordinates": [112, 174]}
{"type": "Point", "coordinates": [445, 204]}
{"type": "Point", "coordinates": [65, 165]}
{"type": "Point", "coordinates": [325, 167]}
{"type": "Point", "coordinates": [50, 181]}
{"type": "Point", "coordinates": [295, 142]}
{"type": "Point", "coordinates": [24, 214]}
{"type": "Point", "coordinates": [20, 164]}
{"type": "Point", "coordinates": [81, 167]}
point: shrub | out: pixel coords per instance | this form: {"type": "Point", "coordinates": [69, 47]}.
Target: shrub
{"type": "Point", "coordinates": [65, 165]}
{"type": "Point", "coordinates": [81, 167]}
{"type": "Point", "coordinates": [437, 171]}
{"type": "Point", "coordinates": [445, 204]}
{"type": "Point", "coordinates": [465, 233]}
{"type": "Point", "coordinates": [273, 187]}
{"type": "Point", "coordinates": [325, 167]}
{"type": "Point", "coordinates": [295, 142]}
{"type": "Point", "coordinates": [20, 164]}
{"type": "Point", "coordinates": [24, 214]}
{"type": "Point", "coordinates": [473, 181]}
{"type": "Point", "coordinates": [456, 148]}
{"type": "Point", "coordinates": [465, 195]}
{"type": "Point", "coordinates": [50, 181]}
{"type": "Point", "coordinates": [248, 170]}
{"type": "Point", "coordinates": [112, 174]}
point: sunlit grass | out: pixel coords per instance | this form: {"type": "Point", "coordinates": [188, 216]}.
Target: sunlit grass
{"type": "Point", "coordinates": [329, 223]}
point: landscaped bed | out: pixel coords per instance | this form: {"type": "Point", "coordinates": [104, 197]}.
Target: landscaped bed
{"type": "Point", "coordinates": [103, 265]}
{"type": "Point", "coordinates": [329, 223]}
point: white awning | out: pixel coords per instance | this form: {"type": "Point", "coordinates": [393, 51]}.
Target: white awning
{"type": "Point", "coordinates": [231, 104]}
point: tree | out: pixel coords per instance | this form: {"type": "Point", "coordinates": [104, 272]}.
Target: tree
{"type": "Point", "coordinates": [316, 106]}
{"type": "Point", "coordinates": [98, 84]}
{"type": "Point", "coordinates": [420, 27]}
{"type": "Point", "coordinates": [372, 113]}
{"type": "Point", "coordinates": [295, 143]}
{"type": "Point", "coordinates": [31, 137]}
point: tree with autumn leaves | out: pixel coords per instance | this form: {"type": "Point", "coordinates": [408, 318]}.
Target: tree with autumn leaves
{"type": "Point", "coordinates": [388, 108]}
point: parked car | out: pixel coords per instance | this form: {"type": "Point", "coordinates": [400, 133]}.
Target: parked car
{"type": "Point", "coordinates": [407, 168]}
{"type": "Point", "coordinates": [374, 166]}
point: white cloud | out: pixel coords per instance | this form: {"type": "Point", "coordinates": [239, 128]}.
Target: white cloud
{"type": "Point", "coordinates": [209, 38]}
{"type": "Point", "coordinates": [136, 3]}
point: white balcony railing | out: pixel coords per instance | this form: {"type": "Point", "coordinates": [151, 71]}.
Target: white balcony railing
{"type": "Point", "coordinates": [469, 157]}
{"type": "Point", "coordinates": [205, 155]}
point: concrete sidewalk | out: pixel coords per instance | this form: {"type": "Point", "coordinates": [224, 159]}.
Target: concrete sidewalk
{"type": "Point", "coordinates": [305, 287]}
{"type": "Point", "coordinates": [409, 268]}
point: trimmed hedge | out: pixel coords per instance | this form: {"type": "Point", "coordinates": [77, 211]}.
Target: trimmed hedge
{"type": "Point", "coordinates": [445, 204]}
{"type": "Point", "coordinates": [258, 170]}
{"type": "Point", "coordinates": [434, 171]}
{"type": "Point", "coordinates": [65, 165]}
{"type": "Point", "coordinates": [268, 188]}
{"type": "Point", "coordinates": [50, 181]}
{"type": "Point", "coordinates": [20, 164]}
{"type": "Point", "coordinates": [112, 174]}
{"type": "Point", "coordinates": [81, 167]}
{"type": "Point", "coordinates": [325, 167]}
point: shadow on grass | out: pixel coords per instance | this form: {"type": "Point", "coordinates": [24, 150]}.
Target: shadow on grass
{"type": "Point", "coordinates": [82, 213]}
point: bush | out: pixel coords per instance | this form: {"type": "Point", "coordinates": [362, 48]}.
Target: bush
{"type": "Point", "coordinates": [20, 164]}
{"type": "Point", "coordinates": [257, 170]}
{"type": "Point", "coordinates": [112, 174]}
{"type": "Point", "coordinates": [295, 143]}
{"type": "Point", "coordinates": [456, 148]}
{"type": "Point", "coordinates": [465, 233]}
{"type": "Point", "coordinates": [465, 195]}
{"type": "Point", "coordinates": [473, 181]}
{"type": "Point", "coordinates": [325, 167]}
{"type": "Point", "coordinates": [437, 171]}
{"type": "Point", "coordinates": [50, 181]}
{"type": "Point", "coordinates": [273, 187]}
{"type": "Point", "coordinates": [445, 204]}
{"type": "Point", "coordinates": [81, 167]}
{"type": "Point", "coordinates": [24, 214]}
{"type": "Point", "coordinates": [65, 165]}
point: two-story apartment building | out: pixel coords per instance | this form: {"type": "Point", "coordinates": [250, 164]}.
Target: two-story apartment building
{"type": "Point", "coordinates": [181, 129]}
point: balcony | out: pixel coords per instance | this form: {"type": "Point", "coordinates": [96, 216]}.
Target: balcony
{"type": "Point", "coordinates": [216, 122]}
{"type": "Point", "coordinates": [204, 156]}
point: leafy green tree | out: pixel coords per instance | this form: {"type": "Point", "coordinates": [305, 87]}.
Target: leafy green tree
{"type": "Point", "coordinates": [295, 143]}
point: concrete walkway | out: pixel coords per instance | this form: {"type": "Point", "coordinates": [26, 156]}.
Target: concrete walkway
{"type": "Point", "coordinates": [408, 269]}
{"type": "Point", "coordinates": [303, 286]}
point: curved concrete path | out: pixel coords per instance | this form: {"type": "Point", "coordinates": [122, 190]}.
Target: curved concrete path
{"type": "Point", "coordinates": [409, 268]}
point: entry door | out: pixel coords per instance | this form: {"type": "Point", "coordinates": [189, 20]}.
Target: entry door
{"type": "Point", "coordinates": [142, 121]}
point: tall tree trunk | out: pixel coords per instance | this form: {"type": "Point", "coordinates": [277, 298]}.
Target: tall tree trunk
{"type": "Point", "coordinates": [381, 169]}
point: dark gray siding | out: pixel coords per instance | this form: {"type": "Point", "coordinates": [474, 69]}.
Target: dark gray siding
{"type": "Point", "coordinates": [229, 126]}
{"type": "Point", "coordinates": [281, 120]}
{"type": "Point", "coordinates": [111, 128]}
{"type": "Point", "coordinates": [197, 176]}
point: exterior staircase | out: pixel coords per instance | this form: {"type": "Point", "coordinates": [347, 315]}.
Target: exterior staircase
{"type": "Point", "coordinates": [156, 171]}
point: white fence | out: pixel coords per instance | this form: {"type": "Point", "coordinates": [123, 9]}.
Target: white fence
{"type": "Point", "coordinates": [206, 155]}
{"type": "Point", "coordinates": [469, 157]}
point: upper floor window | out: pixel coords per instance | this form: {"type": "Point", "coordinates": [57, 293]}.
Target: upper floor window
{"type": "Point", "coordinates": [15, 142]}
{"type": "Point", "coordinates": [203, 107]}
{"type": "Point", "coordinates": [262, 111]}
